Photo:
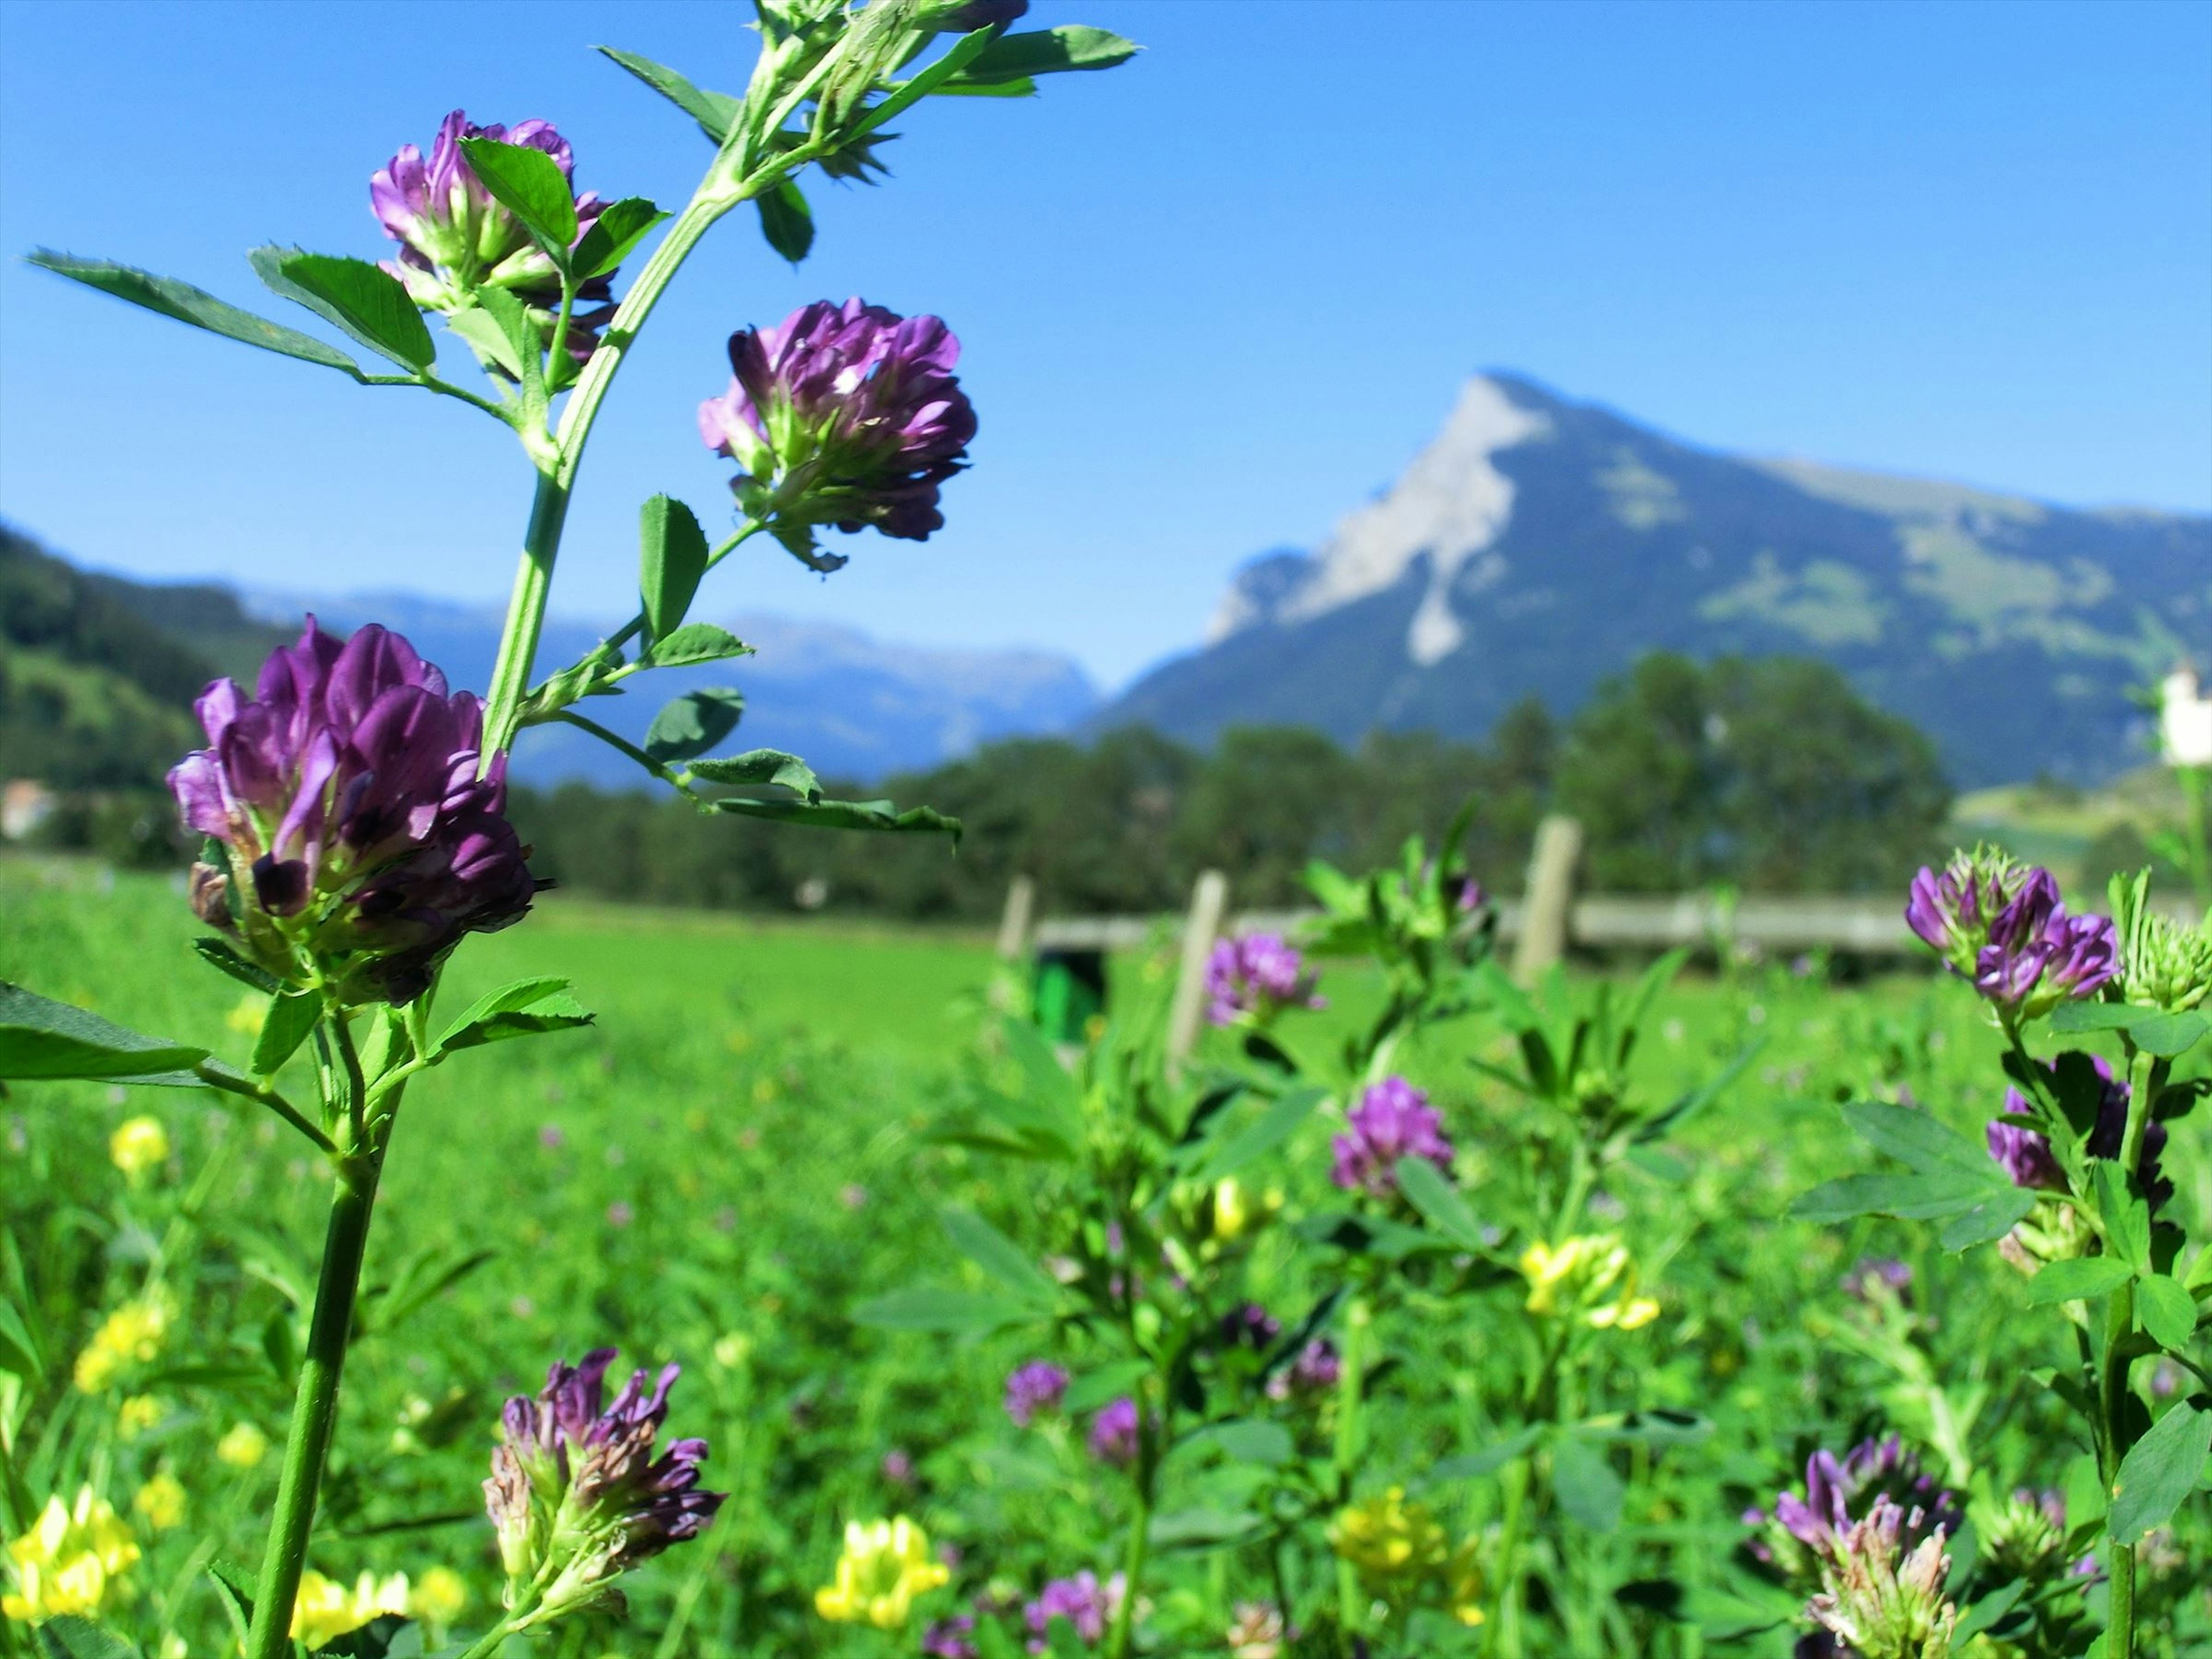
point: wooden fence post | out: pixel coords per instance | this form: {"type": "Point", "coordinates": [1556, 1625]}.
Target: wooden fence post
{"type": "Point", "coordinates": [1014, 919]}
{"type": "Point", "coordinates": [1207, 902]}
{"type": "Point", "coordinates": [1550, 898]}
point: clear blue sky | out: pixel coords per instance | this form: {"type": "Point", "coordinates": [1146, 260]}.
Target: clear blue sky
{"type": "Point", "coordinates": [1210, 300]}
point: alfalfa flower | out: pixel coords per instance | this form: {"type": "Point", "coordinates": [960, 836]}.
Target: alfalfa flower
{"type": "Point", "coordinates": [1590, 1278]}
{"type": "Point", "coordinates": [1393, 1121]}
{"type": "Point", "coordinates": [577, 1497]}
{"type": "Point", "coordinates": [325, 1609]}
{"type": "Point", "coordinates": [1034, 1388]}
{"type": "Point", "coordinates": [1088, 1603]}
{"type": "Point", "coordinates": [1882, 1593]}
{"type": "Point", "coordinates": [1317, 1369]}
{"type": "Point", "coordinates": [1393, 1542]}
{"type": "Point", "coordinates": [160, 1501]}
{"type": "Point", "coordinates": [1257, 1632]}
{"type": "Point", "coordinates": [1951, 910]}
{"type": "Point", "coordinates": [2039, 956]}
{"type": "Point", "coordinates": [358, 842]}
{"type": "Point", "coordinates": [845, 415]}
{"type": "Point", "coordinates": [140, 1145]}
{"type": "Point", "coordinates": [131, 1335]}
{"type": "Point", "coordinates": [2027, 1156]}
{"type": "Point", "coordinates": [1251, 978]}
{"type": "Point", "coordinates": [1116, 1434]}
{"type": "Point", "coordinates": [456, 238]}
{"type": "Point", "coordinates": [885, 1566]}
{"type": "Point", "coordinates": [1840, 1492]}
{"type": "Point", "coordinates": [69, 1560]}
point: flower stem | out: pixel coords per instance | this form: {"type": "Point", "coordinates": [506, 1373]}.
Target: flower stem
{"type": "Point", "coordinates": [1352, 1390]}
{"type": "Point", "coordinates": [2112, 1405]}
{"type": "Point", "coordinates": [1141, 1539]}
{"type": "Point", "coordinates": [525, 612]}
{"type": "Point", "coordinates": [314, 1410]}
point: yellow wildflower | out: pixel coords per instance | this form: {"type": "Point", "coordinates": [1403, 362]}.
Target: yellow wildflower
{"type": "Point", "coordinates": [243, 1447]}
{"type": "Point", "coordinates": [139, 1146]}
{"type": "Point", "coordinates": [245, 1018]}
{"type": "Point", "coordinates": [1388, 1541]}
{"type": "Point", "coordinates": [886, 1563]}
{"type": "Point", "coordinates": [160, 1501]}
{"type": "Point", "coordinates": [68, 1560]}
{"type": "Point", "coordinates": [1467, 1585]}
{"type": "Point", "coordinates": [1578, 1280]}
{"type": "Point", "coordinates": [130, 1335]}
{"type": "Point", "coordinates": [438, 1596]}
{"type": "Point", "coordinates": [324, 1610]}
{"type": "Point", "coordinates": [140, 1412]}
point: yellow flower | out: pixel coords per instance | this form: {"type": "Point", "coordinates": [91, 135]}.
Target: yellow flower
{"type": "Point", "coordinates": [323, 1611]}
{"type": "Point", "coordinates": [438, 1596]}
{"type": "Point", "coordinates": [1467, 1585]}
{"type": "Point", "coordinates": [886, 1563]}
{"type": "Point", "coordinates": [68, 1560]}
{"type": "Point", "coordinates": [243, 1447]}
{"type": "Point", "coordinates": [1577, 1279]}
{"type": "Point", "coordinates": [139, 1146]}
{"type": "Point", "coordinates": [245, 1018]}
{"type": "Point", "coordinates": [1388, 1540]}
{"type": "Point", "coordinates": [140, 1412]}
{"type": "Point", "coordinates": [160, 1501]}
{"type": "Point", "coordinates": [130, 1335]}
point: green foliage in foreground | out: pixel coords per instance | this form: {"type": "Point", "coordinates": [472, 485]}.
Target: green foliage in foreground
{"type": "Point", "coordinates": [734, 1158]}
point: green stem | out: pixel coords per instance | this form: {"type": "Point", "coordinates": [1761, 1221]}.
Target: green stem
{"type": "Point", "coordinates": [1350, 1395]}
{"type": "Point", "coordinates": [315, 1409]}
{"type": "Point", "coordinates": [2146, 1077]}
{"type": "Point", "coordinates": [525, 613]}
{"type": "Point", "coordinates": [2112, 1405]}
{"type": "Point", "coordinates": [1141, 1539]}
{"type": "Point", "coordinates": [1505, 1633]}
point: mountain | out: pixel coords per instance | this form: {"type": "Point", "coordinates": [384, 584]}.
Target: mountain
{"type": "Point", "coordinates": [855, 707]}
{"type": "Point", "coordinates": [1539, 544]}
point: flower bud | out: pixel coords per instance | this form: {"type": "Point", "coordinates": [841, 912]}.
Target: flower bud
{"type": "Point", "coordinates": [1882, 1597]}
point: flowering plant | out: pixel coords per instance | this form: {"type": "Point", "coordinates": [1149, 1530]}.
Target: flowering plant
{"type": "Point", "coordinates": [353, 804]}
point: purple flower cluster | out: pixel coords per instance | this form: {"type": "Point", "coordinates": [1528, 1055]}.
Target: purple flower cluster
{"type": "Point", "coordinates": [846, 415]}
{"type": "Point", "coordinates": [1255, 976]}
{"type": "Point", "coordinates": [357, 833]}
{"type": "Point", "coordinates": [1115, 1437]}
{"type": "Point", "coordinates": [573, 1473]}
{"type": "Point", "coordinates": [1840, 1492]}
{"type": "Point", "coordinates": [2025, 1153]}
{"type": "Point", "coordinates": [1393, 1121]}
{"type": "Point", "coordinates": [2003, 925]}
{"type": "Point", "coordinates": [1250, 1326]}
{"type": "Point", "coordinates": [1039, 1386]}
{"type": "Point", "coordinates": [1083, 1600]}
{"type": "Point", "coordinates": [1317, 1369]}
{"type": "Point", "coordinates": [950, 1638]}
{"type": "Point", "coordinates": [456, 238]}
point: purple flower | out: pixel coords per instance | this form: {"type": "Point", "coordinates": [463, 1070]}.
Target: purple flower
{"type": "Point", "coordinates": [2038, 957]}
{"type": "Point", "coordinates": [846, 415]}
{"type": "Point", "coordinates": [2027, 1156]}
{"type": "Point", "coordinates": [1255, 975]}
{"type": "Point", "coordinates": [899, 1467]}
{"type": "Point", "coordinates": [1085, 1603]}
{"type": "Point", "coordinates": [1471, 897]}
{"type": "Point", "coordinates": [1393, 1121]}
{"type": "Point", "coordinates": [1250, 1326]}
{"type": "Point", "coordinates": [950, 1638]}
{"type": "Point", "coordinates": [2024, 1153]}
{"type": "Point", "coordinates": [1317, 1369]}
{"type": "Point", "coordinates": [577, 1497]}
{"type": "Point", "coordinates": [1952, 912]}
{"type": "Point", "coordinates": [1887, 1272]}
{"type": "Point", "coordinates": [1114, 1437]}
{"type": "Point", "coordinates": [359, 840]}
{"type": "Point", "coordinates": [1039, 1386]}
{"type": "Point", "coordinates": [1840, 1492]}
{"type": "Point", "coordinates": [456, 238]}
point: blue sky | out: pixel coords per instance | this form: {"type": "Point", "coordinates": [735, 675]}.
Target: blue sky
{"type": "Point", "coordinates": [1211, 300]}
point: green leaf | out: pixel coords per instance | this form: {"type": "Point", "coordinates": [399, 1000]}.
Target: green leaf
{"type": "Point", "coordinates": [43, 1039]}
{"type": "Point", "coordinates": [500, 329]}
{"type": "Point", "coordinates": [1473, 1466]}
{"type": "Point", "coordinates": [1246, 1440]}
{"type": "Point", "coordinates": [2071, 1017]}
{"type": "Point", "coordinates": [2169, 1036]}
{"type": "Point", "coordinates": [1282, 1120]}
{"type": "Point", "coordinates": [620, 227]}
{"type": "Point", "coordinates": [387, 1635]}
{"type": "Point", "coordinates": [522, 1009]}
{"type": "Point", "coordinates": [694, 723]}
{"type": "Point", "coordinates": [716, 112]}
{"type": "Point", "coordinates": [2077, 1279]}
{"type": "Point", "coordinates": [530, 185]}
{"type": "Point", "coordinates": [1588, 1491]}
{"type": "Point", "coordinates": [187, 304]}
{"type": "Point", "coordinates": [2167, 1311]}
{"type": "Point", "coordinates": [1908, 1197]}
{"type": "Point", "coordinates": [19, 1349]}
{"type": "Point", "coordinates": [71, 1638]}
{"type": "Point", "coordinates": [1692, 1102]}
{"type": "Point", "coordinates": [696, 642]}
{"type": "Point", "coordinates": [1988, 1220]}
{"type": "Point", "coordinates": [1442, 1204]}
{"type": "Point", "coordinates": [365, 300]}
{"type": "Point", "coordinates": [219, 955]}
{"type": "Point", "coordinates": [1661, 1427]}
{"type": "Point", "coordinates": [1048, 52]}
{"type": "Point", "coordinates": [1199, 1528]}
{"type": "Point", "coordinates": [880, 816]}
{"type": "Point", "coordinates": [762, 766]}
{"type": "Point", "coordinates": [2158, 1472]}
{"type": "Point", "coordinates": [785, 220]}
{"type": "Point", "coordinates": [2125, 1216]}
{"type": "Point", "coordinates": [1915, 1139]}
{"type": "Point", "coordinates": [283, 1028]}
{"type": "Point", "coordinates": [235, 1587]}
{"type": "Point", "coordinates": [1103, 1386]}
{"type": "Point", "coordinates": [671, 558]}
{"type": "Point", "coordinates": [1000, 1257]}
{"type": "Point", "coordinates": [1987, 1611]}
{"type": "Point", "coordinates": [953, 1312]}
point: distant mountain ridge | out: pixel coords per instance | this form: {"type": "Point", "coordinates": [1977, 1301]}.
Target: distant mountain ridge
{"type": "Point", "coordinates": [1537, 545]}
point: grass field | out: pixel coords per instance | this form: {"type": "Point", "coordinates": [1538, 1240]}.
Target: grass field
{"type": "Point", "coordinates": [738, 1153]}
